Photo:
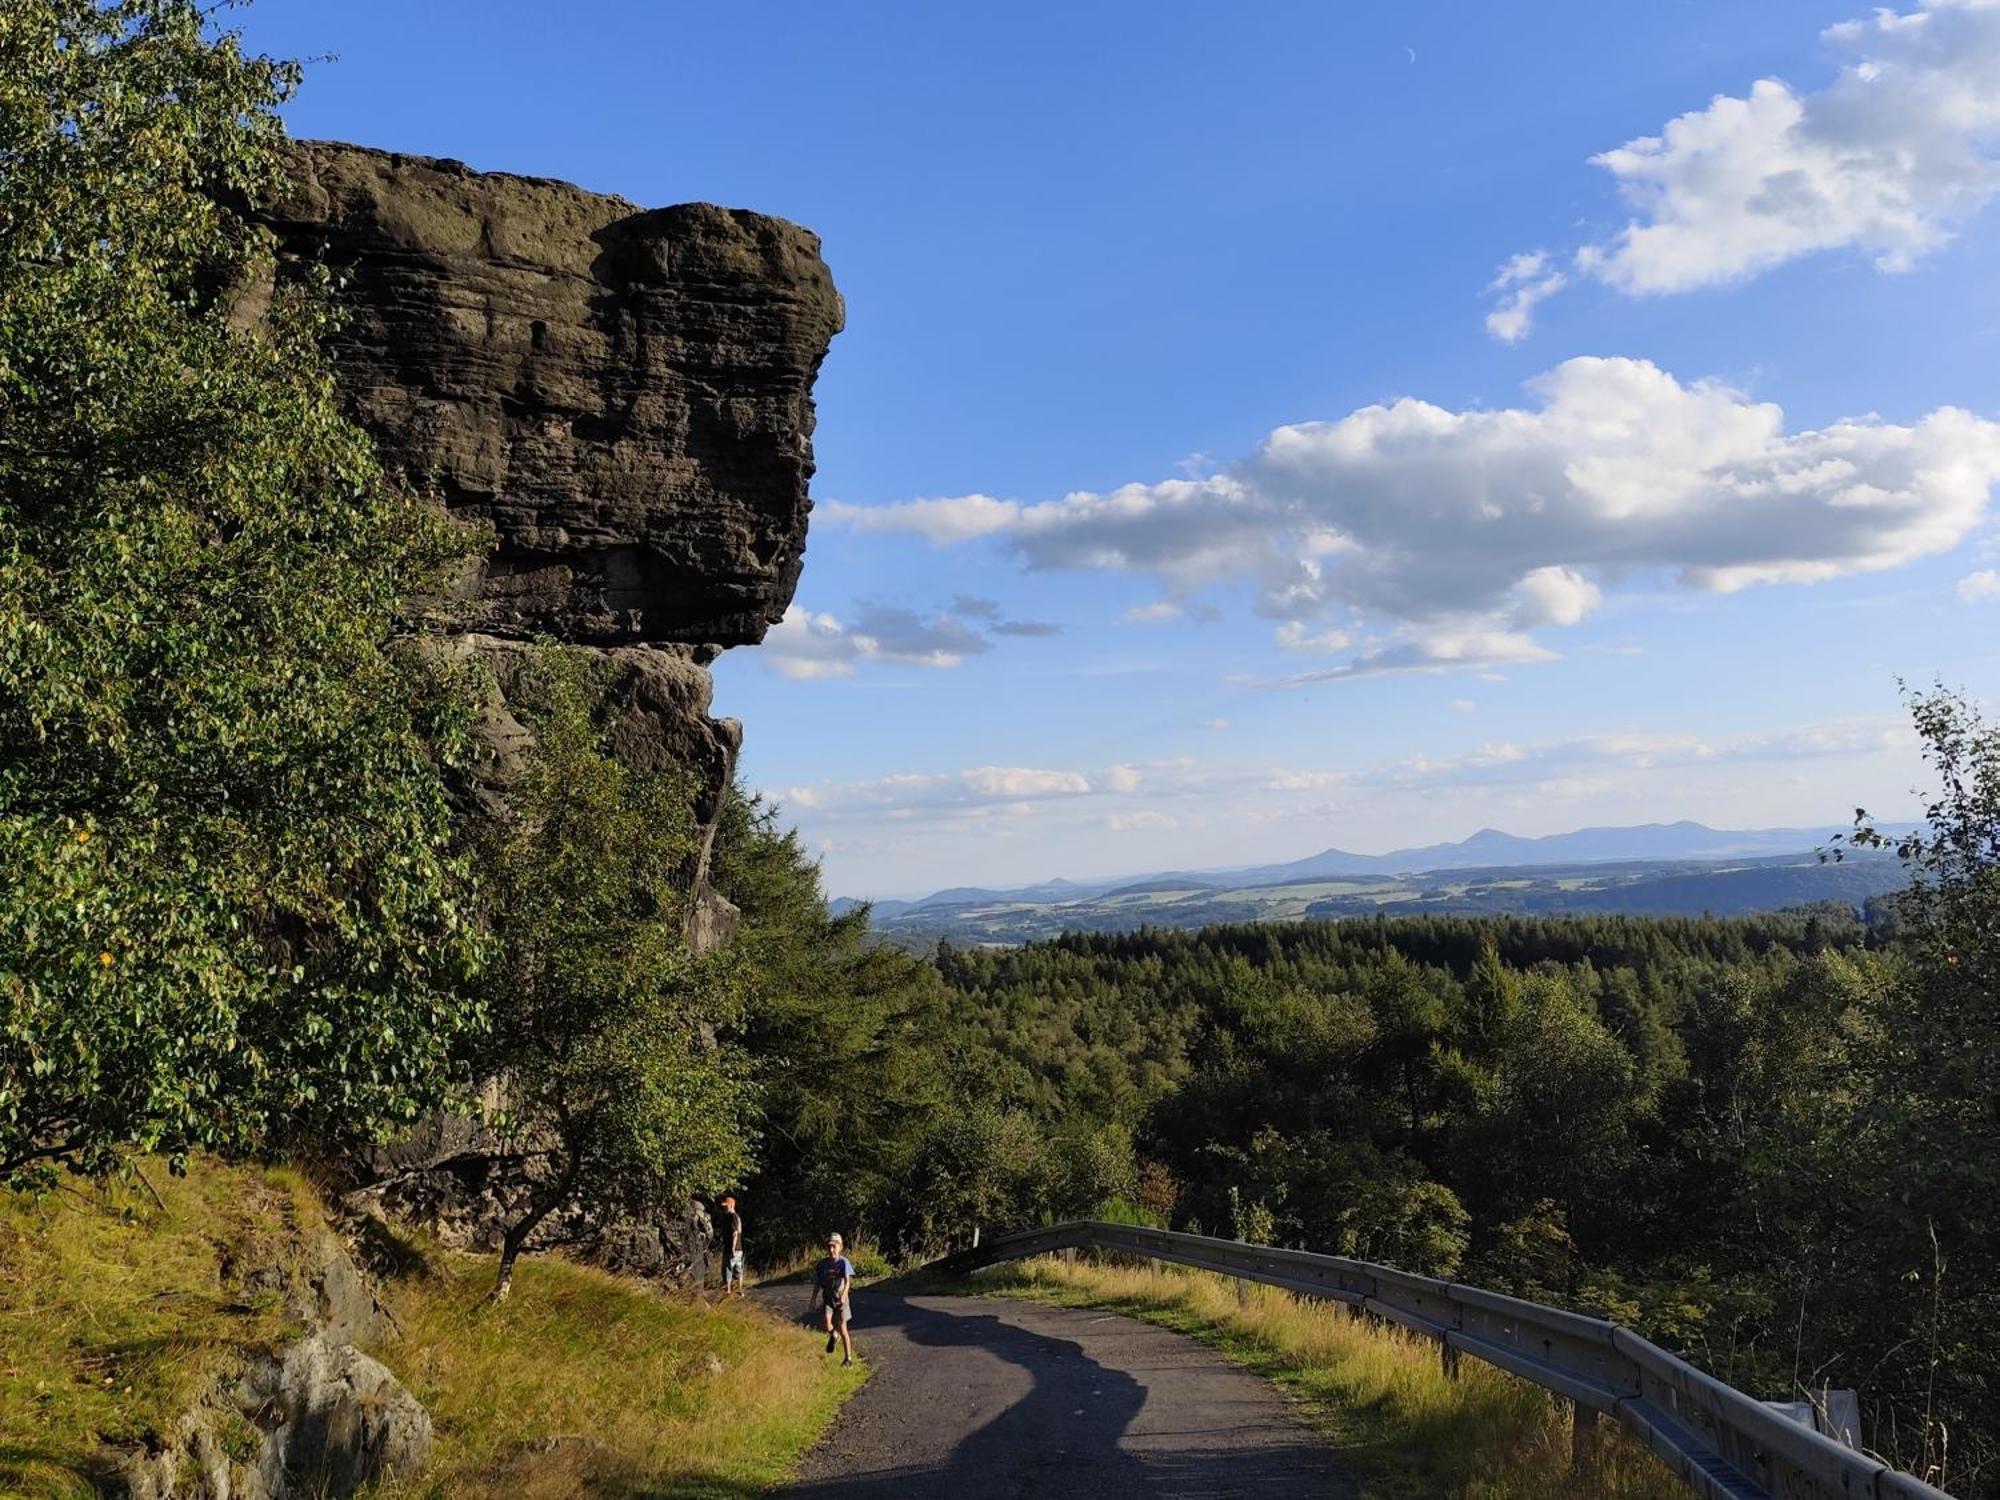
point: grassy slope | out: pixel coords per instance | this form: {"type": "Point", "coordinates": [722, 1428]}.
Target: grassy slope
{"type": "Point", "coordinates": [1404, 1428]}
{"type": "Point", "coordinates": [117, 1313]}
{"type": "Point", "coordinates": [581, 1385]}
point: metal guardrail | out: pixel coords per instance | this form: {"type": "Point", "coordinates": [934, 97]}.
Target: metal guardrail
{"type": "Point", "coordinates": [1723, 1444]}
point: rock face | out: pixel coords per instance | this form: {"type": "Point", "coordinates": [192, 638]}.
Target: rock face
{"type": "Point", "coordinates": [317, 1418]}
{"type": "Point", "coordinates": [334, 1420]}
{"type": "Point", "coordinates": [625, 395]}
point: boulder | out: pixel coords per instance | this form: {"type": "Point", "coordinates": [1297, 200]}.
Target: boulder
{"type": "Point", "coordinates": [334, 1420]}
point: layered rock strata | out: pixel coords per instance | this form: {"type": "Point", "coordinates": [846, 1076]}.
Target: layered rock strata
{"type": "Point", "coordinates": [623, 395]}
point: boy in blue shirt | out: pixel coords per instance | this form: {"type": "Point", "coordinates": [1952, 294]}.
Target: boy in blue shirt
{"type": "Point", "coordinates": [833, 1276]}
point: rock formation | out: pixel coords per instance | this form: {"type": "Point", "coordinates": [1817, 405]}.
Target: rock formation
{"type": "Point", "coordinates": [623, 395]}
{"type": "Point", "coordinates": [317, 1417]}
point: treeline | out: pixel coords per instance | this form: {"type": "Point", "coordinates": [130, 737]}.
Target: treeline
{"type": "Point", "coordinates": [1773, 1142]}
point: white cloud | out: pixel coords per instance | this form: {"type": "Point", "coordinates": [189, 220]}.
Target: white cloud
{"type": "Point", "coordinates": [1305, 781]}
{"type": "Point", "coordinates": [1554, 596]}
{"type": "Point", "coordinates": [1464, 706]}
{"type": "Point", "coordinates": [943, 521]}
{"type": "Point", "coordinates": [1147, 818]}
{"type": "Point", "coordinates": [807, 645]}
{"type": "Point", "coordinates": [1010, 783]}
{"type": "Point", "coordinates": [1979, 588]}
{"type": "Point", "coordinates": [1218, 725]}
{"type": "Point", "coordinates": [1295, 635]}
{"type": "Point", "coordinates": [1523, 282]}
{"type": "Point", "coordinates": [1465, 531]}
{"type": "Point", "coordinates": [1507, 763]}
{"type": "Point", "coordinates": [1886, 159]}
{"type": "Point", "coordinates": [1429, 652]}
{"type": "Point", "coordinates": [920, 794]}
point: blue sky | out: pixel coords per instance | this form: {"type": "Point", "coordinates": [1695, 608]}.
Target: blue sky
{"type": "Point", "coordinates": [1657, 545]}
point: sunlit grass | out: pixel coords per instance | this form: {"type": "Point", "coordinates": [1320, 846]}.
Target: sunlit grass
{"type": "Point", "coordinates": [583, 1383]}
{"type": "Point", "coordinates": [1405, 1428]}
{"type": "Point", "coordinates": [119, 1313]}
{"type": "Point", "coordinates": [121, 1306]}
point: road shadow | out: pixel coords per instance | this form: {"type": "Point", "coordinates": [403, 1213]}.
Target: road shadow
{"type": "Point", "coordinates": [1064, 1437]}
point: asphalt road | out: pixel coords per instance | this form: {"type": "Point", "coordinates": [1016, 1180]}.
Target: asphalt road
{"type": "Point", "coordinates": [984, 1399]}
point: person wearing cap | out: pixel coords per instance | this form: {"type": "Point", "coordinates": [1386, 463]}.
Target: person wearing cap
{"type": "Point", "coordinates": [833, 1277]}
{"type": "Point", "coordinates": [729, 1236]}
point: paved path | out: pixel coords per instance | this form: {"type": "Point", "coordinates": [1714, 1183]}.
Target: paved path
{"type": "Point", "coordinates": [979, 1399]}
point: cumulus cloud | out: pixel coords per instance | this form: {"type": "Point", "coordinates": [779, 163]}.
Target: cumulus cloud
{"type": "Point", "coordinates": [974, 608]}
{"type": "Point", "coordinates": [807, 645]}
{"type": "Point", "coordinates": [1463, 532]}
{"type": "Point", "coordinates": [1027, 628]}
{"type": "Point", "coordinates": [1979, 588]}
{"type": "Point", "coordinates": [1886, 160]}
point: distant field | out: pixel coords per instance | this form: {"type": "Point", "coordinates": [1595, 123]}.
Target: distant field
{"type": "Point", "coordinates": [1736, 887]}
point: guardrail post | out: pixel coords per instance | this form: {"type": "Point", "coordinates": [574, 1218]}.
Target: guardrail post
{"type": "Point", "coordinates": [1068, 1253]}
{"type": "Point", "coordinates": [1583, 1439]}
{"type": "Point", "coordinates": [1448, 1357]}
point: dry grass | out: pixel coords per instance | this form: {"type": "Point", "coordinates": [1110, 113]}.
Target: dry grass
{"type": "Point", "coordinates": [119, 1311]}
{"type": "Point", "coordinates": [1404, 1427]}
{"type": "Point", "coordinates": [586, 1384]}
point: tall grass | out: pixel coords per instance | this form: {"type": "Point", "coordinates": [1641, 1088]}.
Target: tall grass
{"type": "Point", "coordinates": [123, 1303]}
{"type": "Point", "coordinates": [584, 1383]}
{"type": "Point", "coordinates": [1406, 1428]}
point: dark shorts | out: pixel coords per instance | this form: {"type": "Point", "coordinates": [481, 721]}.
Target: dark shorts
{"type": "Point", "coordinates": [838, 1313]}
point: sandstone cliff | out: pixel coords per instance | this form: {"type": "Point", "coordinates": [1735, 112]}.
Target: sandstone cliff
{"type": "Point", "coordinates": [624, 395]}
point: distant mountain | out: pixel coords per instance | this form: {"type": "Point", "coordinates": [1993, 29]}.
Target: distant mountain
{"type": "Point", "coordinates": [1490, 847]}
{"type": "Point", "coordinates": [1681, 868]}
{"type": "Point", "coordinates": [1487, 849]}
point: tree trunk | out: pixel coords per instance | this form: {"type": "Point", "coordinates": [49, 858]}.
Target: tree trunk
{"type": "Point", "coordinates": [516, 1238]}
